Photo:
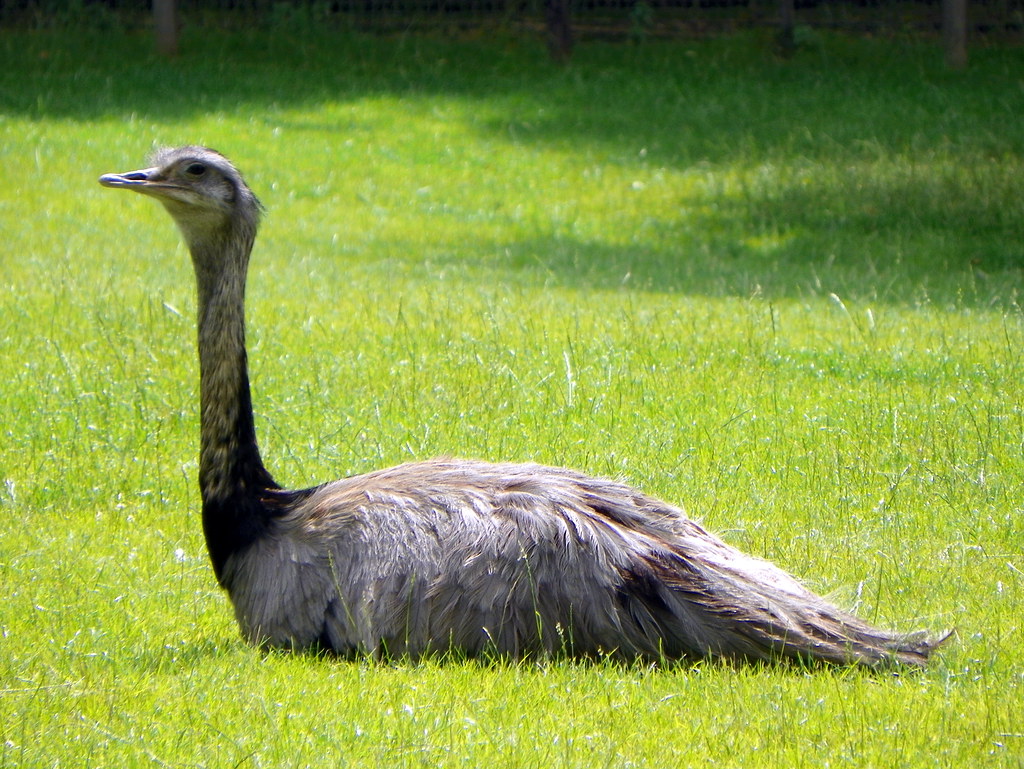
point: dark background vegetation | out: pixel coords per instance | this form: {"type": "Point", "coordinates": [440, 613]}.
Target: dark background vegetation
{"type": "Point", "coordinates": [562, 23]}
{"type": "Point", "coordinates": [595, 17]}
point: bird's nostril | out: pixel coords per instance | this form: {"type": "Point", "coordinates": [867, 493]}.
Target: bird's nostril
{"type": "Point", "coordinates": [136, 176]}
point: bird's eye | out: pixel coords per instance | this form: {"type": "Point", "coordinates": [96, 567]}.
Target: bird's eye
{"type": "Point", "coordinates": [196, 169]}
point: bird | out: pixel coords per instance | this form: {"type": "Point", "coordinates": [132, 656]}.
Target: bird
{"type": "Point", "coordinates": [464, 557]}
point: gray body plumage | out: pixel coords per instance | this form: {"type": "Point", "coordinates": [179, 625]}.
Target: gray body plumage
{"type": "Point", "coordinates": [449, 554]}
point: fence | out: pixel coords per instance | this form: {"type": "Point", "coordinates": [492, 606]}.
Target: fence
{"type": "Point", "coordinates": [985, 16]}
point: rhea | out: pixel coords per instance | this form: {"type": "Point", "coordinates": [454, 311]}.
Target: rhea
{"type": "Point", "coordinates": [455, 555]}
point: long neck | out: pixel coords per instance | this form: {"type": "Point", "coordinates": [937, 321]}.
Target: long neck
{"type": "Point", "coordinates": [231, 474]}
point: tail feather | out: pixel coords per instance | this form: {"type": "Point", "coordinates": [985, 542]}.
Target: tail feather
{"type": "Point", "coordinates": [736, 606]}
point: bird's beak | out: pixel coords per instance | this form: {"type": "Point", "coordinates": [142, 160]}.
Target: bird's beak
{"type": "Point", "coordinates": [145, 180]}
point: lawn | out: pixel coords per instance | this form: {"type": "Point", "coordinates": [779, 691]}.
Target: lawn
{"type": "Point", "coordinates": [783, 293]}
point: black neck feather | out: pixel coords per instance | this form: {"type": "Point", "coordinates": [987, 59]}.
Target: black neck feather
{"type": "Point", "coordinates": [232, 478]}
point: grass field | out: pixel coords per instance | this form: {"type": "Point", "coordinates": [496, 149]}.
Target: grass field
{"type": "Point", "coordinates": [785, 294]}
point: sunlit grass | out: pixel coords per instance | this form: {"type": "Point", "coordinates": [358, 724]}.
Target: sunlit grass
{"type": "Point", "coordinates": [784, 294]}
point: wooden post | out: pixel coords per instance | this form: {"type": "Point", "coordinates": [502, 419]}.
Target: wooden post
{"type": "Point", "coordinates": [559, 24]}
{"type": "Point", "coordinates": [954, 32]}
{"type": "Point", "coordinates": [787, 27]}
{"type": "Point", "coordinates": [165, 19]}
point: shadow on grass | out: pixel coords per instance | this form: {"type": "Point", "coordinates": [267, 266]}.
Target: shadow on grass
{"type": "Point", "coordinates": [684, 103]}
{"type": "Point", "coordinates": [185, 654]}
{"type": "Point", "coordinates": [889, 234]}
{"type": "Point", "coordinates": [946, 240]}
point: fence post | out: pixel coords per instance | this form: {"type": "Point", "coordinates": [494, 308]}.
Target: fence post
{"type": "Point", "coordinates": [954, 32]}
{"type": "Point", "coordinates": [787, 27]}
{"type": "Point", "coordinates": [165, 20]}
{"type": "Point", "coordinates": [559, 29]}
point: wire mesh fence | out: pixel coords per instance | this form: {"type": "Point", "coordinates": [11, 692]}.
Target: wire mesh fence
{"type": "Point", "coordinates": [995, 16]}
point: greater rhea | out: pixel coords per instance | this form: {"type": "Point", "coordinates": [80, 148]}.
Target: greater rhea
{"type": "Point", "coordinates": [454, 555]}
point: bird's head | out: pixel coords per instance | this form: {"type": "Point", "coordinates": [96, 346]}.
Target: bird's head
{"type": "Point", "coordinates": [201, 189]}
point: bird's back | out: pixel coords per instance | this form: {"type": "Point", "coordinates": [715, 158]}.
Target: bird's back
{"type": "Point", "coordinates": [510, 559]}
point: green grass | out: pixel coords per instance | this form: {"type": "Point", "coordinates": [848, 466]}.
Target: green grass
{"type": "Point", "coordinates": [784, 294]}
